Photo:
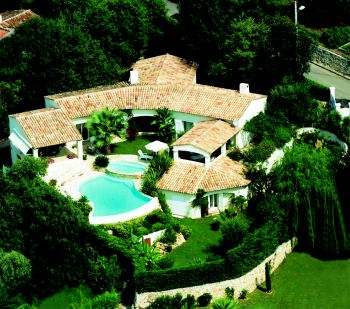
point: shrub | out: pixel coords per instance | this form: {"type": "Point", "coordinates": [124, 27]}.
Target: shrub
{"type": "Point", "coordinates": [243, 294]}
{"type": "Point", "coordinates": [53, 182]}
{"type": "Point", "coordinates": [230, 293]}
{"type": "Point", "coordinates": [204, 299]}
{"type": "Point", "coordinates": [336, 36]}
{"type": "Point", "coordinates": [157, 227]}
{"type": "Point", "coordinates": [105, 274]}
{"type": "Point", "coordinates": [188, 302]}
{"type": "Point", "coordinates": [84, 206]}
{"type": "Point", "coordinates": [141, 230]}
{"type": "Point", "coordinates": [169, 236]}
{"type": "Point", "coordinates": [215, 226]}
{"type": "Point", "coordinates": [282, 136]}
{"type": "Point", "coordinates": [161, 163]}
{"type": "Point", "coordinates": [101, 161]}
{"type": "Point", "coordinates": [165, 262]}
{"type": "Point", "coordinates": [235, 154]}
{"type": "Point", "coordinates": [156, 216]}
{"type": "Point", "coordinates": [163, 203]}
{"type": "Point", "coordinates": [223, 303]}
{"type": "Point", "coordinates": [91, 149]}
{"type": "Point", "coordinates": [166, 302]}
{"type": "Point", "coordinates": [149, 183]}
{"type": "Point", "coordinates": [233, 231]}
{"type": "Point", "coordinates": [260, 152]}
{"type": "Point", "coordinates": [185, 231]}
{"type": "Point", "coordinates": [317, 90]}
{"type": "Point", "coordinates": [107, 300]}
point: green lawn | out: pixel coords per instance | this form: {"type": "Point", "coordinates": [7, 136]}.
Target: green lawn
{"type": "Point", "coordinates": [66, 297]}
{"type": "Point", "coordinates": [193, 249]}
{"type": "Point", "coordinates": [131, 147]}
{"type": "Point", "coordinates": [306, 282]}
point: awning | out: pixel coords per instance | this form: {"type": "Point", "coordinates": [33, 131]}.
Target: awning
{"type": "Point", "coordinates": [19, 142]}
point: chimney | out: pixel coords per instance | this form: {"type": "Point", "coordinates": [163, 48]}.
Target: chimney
{"type": "Point", "coordinates": [134, 77]}
{"type": "Point", "coordinates": [243, 88]}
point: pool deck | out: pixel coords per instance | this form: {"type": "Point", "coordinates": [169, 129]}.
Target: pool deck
{"type": "Point", "coordinates": [71, 173]}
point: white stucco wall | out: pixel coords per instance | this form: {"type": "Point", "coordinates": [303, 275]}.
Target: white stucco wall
{"type": "Point", "coordinates": [180, 204]}
{"type": "Point", "coordinates": [242, 139]}
{"type": "Point", "coordinates": [50, 103]}
{"type": "Point", "coordinates": [253, 109]}
{"type": "Point", "coordinates": [17, 128]}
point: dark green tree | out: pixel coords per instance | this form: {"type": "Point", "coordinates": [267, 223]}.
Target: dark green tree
{"type": "Point", "coordinates": [50, 230]}
{"type": "Point", "coordinates": [305, 186]}
{"type": "Point", "coordinates": [268, 277]}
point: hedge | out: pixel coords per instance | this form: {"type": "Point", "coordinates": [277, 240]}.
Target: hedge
{"type": "Point", "coordinates": [255, 248]}
{"type": "Point", "coordinates": [317, 90]}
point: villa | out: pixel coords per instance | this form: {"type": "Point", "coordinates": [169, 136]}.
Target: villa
{"type": "Point", "coordinates": [209, 120]}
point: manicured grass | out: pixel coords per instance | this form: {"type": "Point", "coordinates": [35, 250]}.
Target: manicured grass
{"type": "Point", "coordinates": [305, 282]}
{"type": "Point", "coordinates": [131, 147]}
{"type": "Point", "coordinates": [194, 248]}
{"type": "Point", "coordinates": [65, 298]}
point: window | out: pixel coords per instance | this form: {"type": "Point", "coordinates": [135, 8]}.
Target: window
{"type": "Point", "coordinates": [188, 125]}
{"type": "Point", "coordinates": [213, 200]}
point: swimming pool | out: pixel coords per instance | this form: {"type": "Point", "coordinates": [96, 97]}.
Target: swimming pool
{"type": "Point", "coordinates": [126, 168]}
{"type": "Point", "coordinates": [113, 199]}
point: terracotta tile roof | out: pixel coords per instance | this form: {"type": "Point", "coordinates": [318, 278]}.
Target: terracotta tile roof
{"type": "Point", "coordinates": [188, 177]}
{"type": "Point", "coordinates": [191, 99]}
{"type": "Point", "coordinates": [13, 19]}
{"type": "Point", "coordinates": [47, 127]}
{"type": "Point", "coordinates": [208, 135]}
{"type": "Point", "coordinates": [3, 33]}
{"type": "Point", "coordinates": [166, 69]}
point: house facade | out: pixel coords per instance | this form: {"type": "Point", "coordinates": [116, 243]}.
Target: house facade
{"type": "Point", "coordinates": [209, 120]}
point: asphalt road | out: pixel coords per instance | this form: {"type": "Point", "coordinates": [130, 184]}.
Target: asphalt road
{"type": "Point", "coordinates": [327, 78]}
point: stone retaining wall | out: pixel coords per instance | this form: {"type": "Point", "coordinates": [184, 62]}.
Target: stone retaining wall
{"type": "Point", "coordinates": [249, 281]}
{"type": "Point", "coordinates": [331, 60]}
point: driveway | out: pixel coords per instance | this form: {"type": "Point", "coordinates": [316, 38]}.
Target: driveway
{"type": "Point", "coordinates": [328, 78]}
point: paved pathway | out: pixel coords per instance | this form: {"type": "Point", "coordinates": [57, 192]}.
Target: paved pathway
{"type": "Point", "coordinates": [328, 78]}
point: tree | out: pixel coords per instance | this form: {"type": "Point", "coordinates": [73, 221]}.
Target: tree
{"type": "Point", "coordinates": [104, 125]}
{"type": "Point", "coordinates": [15, 272]}
{"type": "Point", "coordinates": [201, 201]}
{"type": "Point", "coordinates": [305, 186]}
{"type": "Point", "coordinates": [268, 277]}
{"type": "Point", "coordinates": [164, 125]}
{"type": "Point", "coordinates": [49, 230]}
{"type": "Point", "coordinates": [294, 102]}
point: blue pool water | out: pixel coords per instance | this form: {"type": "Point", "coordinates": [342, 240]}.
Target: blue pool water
{"type": "Point", "coordinates": [112, 196]}
{"type": "Point", "coordinates": [122, 167]}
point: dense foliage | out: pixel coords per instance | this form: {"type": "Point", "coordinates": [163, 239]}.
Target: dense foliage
{"type": "Point", "coordinates": [74, 45]}
{"type": "Point", "coordinates": [305, 187]}
{"type": "Point", "coordinates": [336, 36]}
{"type": "Point", "coordinates": [244, 42]}
{"type": "Point", "coordinates": [50, 231]}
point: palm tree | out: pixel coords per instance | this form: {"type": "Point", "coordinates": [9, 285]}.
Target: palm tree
{"type": "Point", "coordinates": [104, 125]}
{"type": "Point", "coordinates": [164, 125]}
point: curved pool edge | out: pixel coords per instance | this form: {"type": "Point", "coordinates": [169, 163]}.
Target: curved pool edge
{"type": "Point", "coordinates": [126, 174]}
{"type": "Point", "coordinates": [126, 216]}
